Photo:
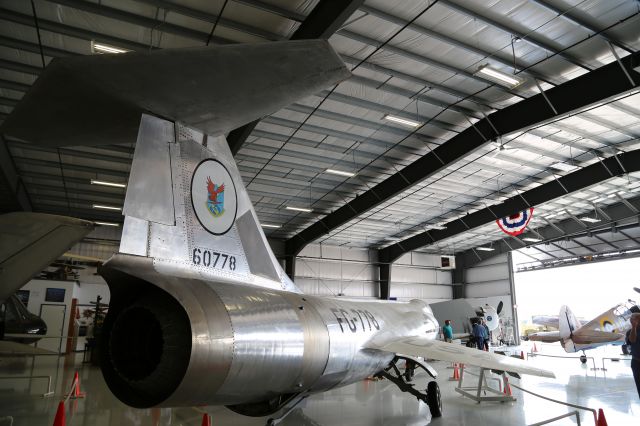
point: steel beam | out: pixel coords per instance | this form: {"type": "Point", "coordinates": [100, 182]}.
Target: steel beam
{"type": "Point", "coordinates": [143, 21]}
{"type": "Point", "coordinates": [34, 48]}
{"type": "Point", "coordinates": [596, 86]}
{"type": "Point", "coordinates": [324, 20]}
{"type": "Point", "coordinates": [211, 18]}
{"type": "Point", "coordinates": [576, 181]}
{"type": "Point", "coordinates": [68, 30]}
{"type": "Point", "coordinates": [14, 85]}
{"type": "Point", "coordinates": [569, 17]}
{"type": "Point", "coordinates": [385, 281]}
{"type": "Point", "coordinates": [528, 38]}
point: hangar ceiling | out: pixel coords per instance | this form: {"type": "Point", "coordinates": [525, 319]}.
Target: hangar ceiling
{"type": "Point", "coordinates": [412, 60]}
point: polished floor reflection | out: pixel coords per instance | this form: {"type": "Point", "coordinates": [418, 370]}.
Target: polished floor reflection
{"type": "Point", "coordinates": [364, 403]}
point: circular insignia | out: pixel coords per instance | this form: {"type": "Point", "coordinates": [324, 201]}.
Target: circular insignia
{"type": "Point", "coordinates": [489, 318]}
{"type": "Point", "coordinates": [213, 196]}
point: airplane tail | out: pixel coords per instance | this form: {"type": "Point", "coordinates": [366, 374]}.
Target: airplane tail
{"type": "Point", "coordinates": [568, 324]}
{"type": "Point", "coordinates": [187, 209]}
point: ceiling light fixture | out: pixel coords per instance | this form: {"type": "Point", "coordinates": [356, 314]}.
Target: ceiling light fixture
{"type": "Point", "coordinates": [438, 227]}
{"type": "Point", "coordinates": [340, 173]}
{"type": "Point", "coordinates": [103, 207]}
{"type": "Point", "coordinates": [106, 223]}
{"type": "Point", "coordinates": [105, 48]}
{"type": "Point", "coordinates": [485, 249]}
{"type": "Point", "coordinates": [532, 240]}
{"type": "Point", "coordinates": [590, 219]}
{"type": "Point", "coordinates": [400, 120]}
{"type": "Point", "coordinates": [564, 167]}
{"type": "Point", "coordinates": [499, 77]}
{"type": "Point", "coordinates": [107, 183]}
{"type": "Point", "coordinates": [299, 209]}
{"type": "Point", "coordinates": [268, 225]}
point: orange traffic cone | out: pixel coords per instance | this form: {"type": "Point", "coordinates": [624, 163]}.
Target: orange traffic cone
{"type": "Point", "coordinates": [456, 373]}
{"type": "Point", "coordinates": [602, 421]}
{"type": "Point", "coordinates": [206, 420]}
{"type": "Point", "coordinates": [535, 349]}
{"type": "Point", "coordinates": [60, 419]}
{"type": "Point", "coordinates": [507, 387]}
{"type": "Point", "coordinates": [76, 392]}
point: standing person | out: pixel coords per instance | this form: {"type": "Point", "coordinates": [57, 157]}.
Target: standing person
{"type": "Point", "coordinates": [447, 330]}
{"type": "Point", "coordinates": [633, 339]}
{"type": "Point", "coordinates": [487, 334]}
{"type": "Point", "coordinates": [478, 333]}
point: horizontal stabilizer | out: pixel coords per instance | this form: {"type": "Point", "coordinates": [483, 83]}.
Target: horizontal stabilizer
{"type": "Point", "coordinates": [421, 346]}
{"type": "Point", "coordinates": [545, 336]}
{"type": "Point", "coordinates": [30, 241]}
{"type": "Point", "coordinates": [587, 337]}
{"type": "Point", "coordinates": [546, 320]}
{"type": "Point", "coordinates": [98, 100]}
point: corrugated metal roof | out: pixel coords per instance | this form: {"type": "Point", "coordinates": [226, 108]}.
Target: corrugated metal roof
{"type": "Point", "coordinates": [425, 73]}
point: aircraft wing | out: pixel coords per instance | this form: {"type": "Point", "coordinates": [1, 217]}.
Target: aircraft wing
{"type": "Point", "coordinates": [545, 336]}
{"type": "Point", "coordinates": [30, 241]}
{"type": "Point", "coordinates": [546, 320]}
{"type": "Point", "coordinates": [586, 337]}
{"type": "Point", "coordinates": [421, 346]}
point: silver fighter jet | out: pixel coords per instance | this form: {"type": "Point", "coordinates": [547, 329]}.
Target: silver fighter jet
{"type": "Point", "coordinates": [201, 312]}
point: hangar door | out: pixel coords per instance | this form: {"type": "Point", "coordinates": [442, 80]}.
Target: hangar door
{"type": "Point", "coordinates": [491, 281]}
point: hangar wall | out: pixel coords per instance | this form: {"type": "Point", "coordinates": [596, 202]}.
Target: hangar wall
{"type": "Point", "coordinates": [353, 272]}
{"type": "Point", "coordinates": [491, 281]}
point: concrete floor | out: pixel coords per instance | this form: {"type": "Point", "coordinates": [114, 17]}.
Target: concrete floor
{"type": "Point", "coordinates": [365, 403]}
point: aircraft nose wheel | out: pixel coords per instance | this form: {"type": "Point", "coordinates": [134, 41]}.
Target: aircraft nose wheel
{"type": "Point", "coordinates": [434, 400]}
{"type": "Point", "coordinates": [583, 359]}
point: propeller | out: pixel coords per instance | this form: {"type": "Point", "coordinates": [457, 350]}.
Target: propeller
{"type": "Point", "coordinates": [500, 305]}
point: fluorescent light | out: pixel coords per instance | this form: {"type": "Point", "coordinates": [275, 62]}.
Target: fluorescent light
{"type": "Point", "coordinates": [268, 225]}
{"type": "Point", "coordinates": [105, 48]}
{"type": "Point", "coordinates": [107, 183]}
{"type": "Point", "coordinates": [532, 240]}
{"type": "Point", "coordinates": [103, 207]}
{"type": "Point", "coordinates": [106, 223]}
{"type": "Point", "coordinates": [485, 249]}
{"type": "Point", "coordinates": [299, 209]}
{"type": "Point", "coordinates": [340, 173]}
{"type": "Point", "coordinates": [400, 120]}
{"type": "Point", "coordinates": [590, 219]}
{"type": "Point", "coordinates": [564, 167]}
{"type": "Point", "coordinates": [438, 227]}
{"type": "Point", "coordinates": [499, 76]}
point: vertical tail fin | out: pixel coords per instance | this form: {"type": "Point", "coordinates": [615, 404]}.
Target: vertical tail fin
{"type": "Point", "coordinates": [568, 324]}
{"type": "Point", "coordinates": [187, 208]}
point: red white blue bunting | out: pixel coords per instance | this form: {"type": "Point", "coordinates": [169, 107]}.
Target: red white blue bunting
{"type": "Point", "coordinates": [516, 223]}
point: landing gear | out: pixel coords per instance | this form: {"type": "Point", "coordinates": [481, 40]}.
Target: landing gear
{"type": "Point", "coordinates": [433, 399]}
{"type": "Point", "coordinates": [431, 395]}
{"type": "Point", "coordinates": [583, 358]}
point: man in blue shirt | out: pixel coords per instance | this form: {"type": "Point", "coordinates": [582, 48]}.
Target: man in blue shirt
{"type": "Point", "coordinates": [633, 339]}
{"type": "Point", "coordinates": [478, 333]}
{"type": "Point", "coordinates": [447, 331]}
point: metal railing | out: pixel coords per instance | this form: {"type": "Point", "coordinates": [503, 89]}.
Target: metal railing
{"type": "Point", "coordinates": [617, 359]}
{"type": "Point", "coordinates": [555, 419]}
{"type": "Point", "coordinates": [593, 360]}
{"type": "Point", "coordinates": [47, 394]}
{"type": "Point", "coordinates": [568, 404]}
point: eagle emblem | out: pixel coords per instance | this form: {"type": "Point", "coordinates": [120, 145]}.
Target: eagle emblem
{"type": "Point", "coordinates": [215, 200]}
